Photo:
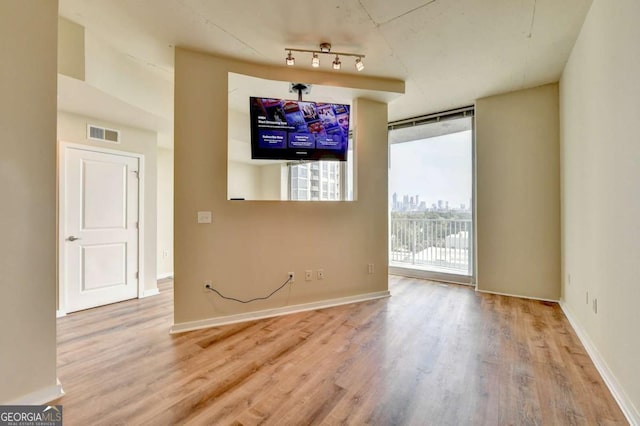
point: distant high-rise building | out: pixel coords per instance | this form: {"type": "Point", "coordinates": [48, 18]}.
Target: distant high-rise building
{"type": "Point", "coordinates": [316, 181]}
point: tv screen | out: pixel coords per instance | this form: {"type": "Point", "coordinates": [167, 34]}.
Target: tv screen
{"type": "Point", "coordinates": [298, 130]}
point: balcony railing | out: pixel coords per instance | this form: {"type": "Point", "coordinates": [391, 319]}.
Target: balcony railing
{"type": "Point", "coordinates": [439, 245]}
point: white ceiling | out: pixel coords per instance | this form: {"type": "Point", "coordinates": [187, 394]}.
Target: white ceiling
{"type": "Point", "coordinates": [77, 97]}
{"type": "Point", "coordinates": [449, 52]}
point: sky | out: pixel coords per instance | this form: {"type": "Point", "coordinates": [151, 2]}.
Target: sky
{"type": "Point", "coordinates": [437, 168]}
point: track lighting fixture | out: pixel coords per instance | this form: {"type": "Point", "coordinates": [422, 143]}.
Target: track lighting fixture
{"type": "Point", "coordinates": [290, 59]}
{"type": "Point", "coordinates": [336, 63]}
{"type": "Point", "coordinates": [325, 49]}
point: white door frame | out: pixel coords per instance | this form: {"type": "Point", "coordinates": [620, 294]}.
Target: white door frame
{"type": "Point", "coordinates": [62, 159]}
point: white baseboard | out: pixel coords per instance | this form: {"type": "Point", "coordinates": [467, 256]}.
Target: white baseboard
{"type": "Point", "coordinates": [163, 276]}
{"type": "Point", "coordinates": [39, 397]}
{"type": "Point", "coordinates": [630, 411]}
{"type": "Point", "coordinates": [60, 313]}
{"type": "Point", "coordinates": [268, 313]}
{"type": "Point", "coordinates": [147, 293]}
{"type": "Point", "coordinates": [516, 295]}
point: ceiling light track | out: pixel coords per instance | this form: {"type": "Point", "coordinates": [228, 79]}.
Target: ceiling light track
{"type": "Point", "coordinates": [325, 49]}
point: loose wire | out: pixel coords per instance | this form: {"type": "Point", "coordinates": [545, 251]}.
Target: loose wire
{"type": "Point", "coordinates": [208, 287]}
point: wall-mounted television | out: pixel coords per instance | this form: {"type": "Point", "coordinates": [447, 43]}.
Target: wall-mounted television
{"type": "Point", "coordinates": [283, 129]}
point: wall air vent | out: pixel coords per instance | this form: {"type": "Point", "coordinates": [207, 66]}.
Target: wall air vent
{"type": "Point", "coordinates": [98, 133]}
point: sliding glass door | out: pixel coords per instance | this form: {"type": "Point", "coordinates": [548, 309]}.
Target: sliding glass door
{"type": "Point", "coordinates": [431, 198]}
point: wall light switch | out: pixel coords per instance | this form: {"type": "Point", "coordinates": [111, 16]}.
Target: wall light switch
{"type": "Point", "coordinates": [204, 217]}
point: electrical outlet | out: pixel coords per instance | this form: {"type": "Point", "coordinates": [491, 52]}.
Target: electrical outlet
{"type": "Point", "coordinates": [292, 277]}
{"type": "Point", "coordinates": [321, 274]}
{"type": "Point", "coordinates": [371, 268]}
{"type": "Point", "coordinates": [205, 217]}
{"type": "Point", "coordinates": [206, 286]}
{"type": "Point", "coordinates": [308, 275]}
{"type": "Point", "coordinates": [165, 253]}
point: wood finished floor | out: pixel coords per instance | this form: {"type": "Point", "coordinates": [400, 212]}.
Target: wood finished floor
{"type": "Point", "coordinates": [432, 354]}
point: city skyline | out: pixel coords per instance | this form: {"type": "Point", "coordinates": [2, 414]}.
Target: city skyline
{"type": "Point", "coordinates": [437, 168]}
{"type": "Point", "coordinates": [407, 202]}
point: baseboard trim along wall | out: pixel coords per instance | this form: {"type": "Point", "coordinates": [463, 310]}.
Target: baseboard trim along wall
{"type": "Point", "coordinates": [517, 295]}
{"type": "Point", "coordinates": [60, 314]}
{"type": "Point", "coordinates": [269, 313]}
{"type": "Point", "coordinates": [163, 276]}
{"type": "Point", "coordinates": [147, 293]}
{"type": "Point", "coordinates": [631, 413]}
{"type": "Point", "coordinates": [39, 397]}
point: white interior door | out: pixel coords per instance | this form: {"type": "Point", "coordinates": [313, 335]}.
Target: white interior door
{"type": "Point", "coordinates": [100, 228]}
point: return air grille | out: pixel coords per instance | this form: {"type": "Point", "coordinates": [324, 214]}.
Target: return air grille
{"type": "Point", "coordinates": [103, 134]}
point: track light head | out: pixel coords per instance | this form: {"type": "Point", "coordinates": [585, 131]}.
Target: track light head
{"type": "Point", "coordinates": [290, 59]}
{"type": "Point", "coordinates": [336, 63]}
{"type": "Point", "coordinates": [359, 64]}
{"type": "Point", "coordinates": [315, 61]}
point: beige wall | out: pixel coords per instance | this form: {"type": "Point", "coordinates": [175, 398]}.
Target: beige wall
{"type": "Point", "coordinates": [600, 116]}
{"type": "Point", "coordinates": [243, 181]}
{"type": "Point", "coordinates": [70, 49]}
{"type": "Point", "coordinates": [518, 193]}
{"type": "Point", "coordinates": [273, 182]}
{"type": "Point", "coordinates": [251, 245]}
{"type": "Point", "coordinates": [73, 128]}
{"type": "Point", "coordinates": [28, 31]}
{"type": "Point", "coordinates": [256, 181]}
{"type": "Point", "coordinates": [165, 212]}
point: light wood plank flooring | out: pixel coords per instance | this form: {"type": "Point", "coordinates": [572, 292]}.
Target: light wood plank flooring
{"type": "Point", "coordinates": [432, 354]}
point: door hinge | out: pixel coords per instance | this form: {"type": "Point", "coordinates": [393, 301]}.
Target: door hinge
{"type": "Point", "coordinates": [137, 173]}
{"type": "Point", "coordinates": [137, 275]}
{"type": "Point", "coordinates": [137, 225]}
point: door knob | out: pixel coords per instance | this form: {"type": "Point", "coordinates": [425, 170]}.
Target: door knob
{"type": "Point", "coordinates": [72, 238]}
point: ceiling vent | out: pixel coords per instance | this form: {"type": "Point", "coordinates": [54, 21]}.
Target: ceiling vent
{"type": "Point", "coordinates": [98, 133]}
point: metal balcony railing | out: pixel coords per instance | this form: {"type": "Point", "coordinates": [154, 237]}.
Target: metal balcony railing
{"type": "Point", "coordinates": [439, 245]}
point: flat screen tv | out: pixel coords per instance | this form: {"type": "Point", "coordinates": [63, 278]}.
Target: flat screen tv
{"type": "Point", "coordinates": [298, 130]}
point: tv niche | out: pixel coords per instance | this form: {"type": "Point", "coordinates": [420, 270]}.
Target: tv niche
{"type": "Point", "coordinates": [283, 129]}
